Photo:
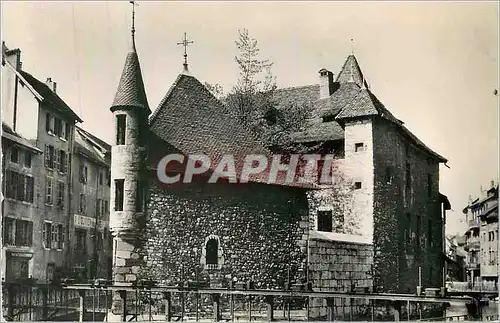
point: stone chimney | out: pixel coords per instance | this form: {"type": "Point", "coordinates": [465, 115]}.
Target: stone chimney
{"type": "Point", "coordinates": [325, 83]}
{"type": "Point", "coordinates": [492, 184]}
{"type": "Point", "coordinates": [52, 85]}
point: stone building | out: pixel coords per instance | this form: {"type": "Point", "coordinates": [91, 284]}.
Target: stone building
{"type": "Point", "coordinates": [385, 231]}
{"type": "Point", "coordinates": [39, 216]}
{"type": "Point", "coordinates": [482, 237]}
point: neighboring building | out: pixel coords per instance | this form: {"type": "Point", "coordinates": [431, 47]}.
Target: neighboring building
{"type": "Point", "coordinates": [482, 237]}
{"type": "Point", "coordinates": [90, 244]}
{"type": "Point", "coordinates": [273, 233]}
{"type": "Point", "coordinates": [21, 161]}
{"type": "Point", "coordinates": [33, 113]}
{"type": "Point", "coordinates": [455, 258]}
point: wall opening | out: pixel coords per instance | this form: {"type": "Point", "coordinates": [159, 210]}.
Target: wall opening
{"type": "Point", "coordinates": [119, 194]}
{"type": "Point", "coordinates": [212, 252]}
{"type": "Point", "coordinates": [120, 129]}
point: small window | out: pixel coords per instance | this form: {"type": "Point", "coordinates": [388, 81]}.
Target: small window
{"type": "Point", "coordinates": [47, 123]}
{"type": "Point", "coordinates": [58, 127]}
{"type": "Point", "coordinates": [9, 232]}
{"type": "Point", "coordinates": [357, 185]}
{"type": "Point", "coordinates": [120, 129]}
{"type": "Point", "coordinates": [100, 178]}
{"type": "Point", "coordinates": [48, 192]}
{"type": "Point", "coordinates": [14, 155]}
{"type": "Point", "coordinates": [119, 194]}
{"type": "Point", "coordinates": [66, 133]}
{"type": "Point", "coordinates": [63, 161]}
{"type": "Point", "coordinates": [83, 204]}
{"type": "Point", "coordinates": [60, 238]}
{"type": "Point", "coordinates": [328, 118]}
{"type": "Point", "coordinates": [83, 173]}
{"type": "Point", "coordinates": [358, 147]}
{"type": "Point", "coordinates": [27, 159]}
{"type": "Point", "coordinates": [47, 235]}
{"type": "Point", "coordinates": [60, 196]}
{"type": "Point", "coordinates": [325, 221]}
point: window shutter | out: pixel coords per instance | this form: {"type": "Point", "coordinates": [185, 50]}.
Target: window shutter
{"type": "Point", "coordinates": [65, 167]}
{"type": "Point", "coordinates": [44, 234]}
{"type": "Point", "coordinates": [63, 129]}
{"type": "Point", "coordinates": [47, 155]}
{"type": "Point", "coordinates": [57, 159]}
{"type": "Point", "coordinates": [30, 234]}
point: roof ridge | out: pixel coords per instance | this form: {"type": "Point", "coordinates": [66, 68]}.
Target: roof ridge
{"type": "Point", "coordinates": [49, 91]}
{"type": "Point", "coordinates": [296, 87]}
{"type": "Point", "coordinates": [165, 98]}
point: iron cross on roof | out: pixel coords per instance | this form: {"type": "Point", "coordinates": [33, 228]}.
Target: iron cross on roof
{"type": "Point", "coordinates": [134, 3]}
{"type": "Point", "coordinates": [185, 42]}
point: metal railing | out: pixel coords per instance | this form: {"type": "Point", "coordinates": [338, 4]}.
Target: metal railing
{"type": "Point", "coordinates": [149, 302]}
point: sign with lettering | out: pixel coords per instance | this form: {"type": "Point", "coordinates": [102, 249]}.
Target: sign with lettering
{"type": "Point", "coordinates": [20, 254]}
{"type": "Point", "coordinates": [84, 221]}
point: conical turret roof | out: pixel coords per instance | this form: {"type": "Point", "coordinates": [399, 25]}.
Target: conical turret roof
{"type": "Point", "coordinates": [131, 92]}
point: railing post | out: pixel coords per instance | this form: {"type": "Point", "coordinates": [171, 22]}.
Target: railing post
{"type": "Point", "coordinates": [123, 299]}
{"type": "Point", "coordinates": [167, 299]}
{"type": "Point", "coordinates": [270, 307]}
{"type": "Point", "coordinates": [330, 306]}
{"type": "Point", "coordinates": [81, 310]}
{"type": "Point", "coordinates": [216, 300]}
{"type": "Point", "coordinates": [45, 306]}
{"type": "Point", "coordinates": [249, 308]}
{"type": "Point", "coordinates": [231, 307]}
{"type": "Point", "coordinates": [397, 310]}
{"type": "Point", "coordinates": [10, 302]}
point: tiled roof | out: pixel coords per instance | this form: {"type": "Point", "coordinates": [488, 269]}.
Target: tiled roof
{"type": "Point", "coordinates": [131, 92]}
{"type": "Point", "coordinates": [319, 131]}
{"type": "Point", "coordinates": [49, 97]}
{"type": "Point", "coordinates": [299, 96]}
{"type": "Point", "coordinates": [351, 72]}
{"type": "Point", "coordinates": [193, 120]}
{"type": "Point", "coordinates": [350, 99]}
{"type": "Point", "coordinates": [190, 120]}
{"type": "Point", "coordinates": [89, 150]}
{"type": "Point", "coordinates": [99, 141]}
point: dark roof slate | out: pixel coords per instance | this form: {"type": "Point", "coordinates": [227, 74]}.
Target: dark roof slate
{"type": "Point", "coordinates": [50, 98]}
{"type": "Point", "coordinates": [299, 95]}
{"type": "Point", "coordinates": [324, 131]}
{"type": "Point", "coordinates": [85, 146]}
{"type": "Point", "coordinates": [193, 120]}
{"type": "Point", "coordinates": [351, 99]}
{"type": "Point", "coordinates": [351, 72]}
{"type": "Point", "coordinates": [131, 92]}
{"type": "Point", "coordinates": [190, 120]}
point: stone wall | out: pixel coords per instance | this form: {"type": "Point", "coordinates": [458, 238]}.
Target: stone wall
{"type": "Point", "coordinates": [261, 233]}
{"type": "Point", "coordinates": [340, 266]}
{"type": "Point", "coordinates": [407, 227]}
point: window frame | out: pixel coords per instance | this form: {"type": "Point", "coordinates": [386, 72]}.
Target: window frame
{"type": "Point", "coordinates": [121, 129]}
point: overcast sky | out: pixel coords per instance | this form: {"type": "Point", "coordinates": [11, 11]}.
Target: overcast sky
{"type": "Point", "coordinates": [434, 65]}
